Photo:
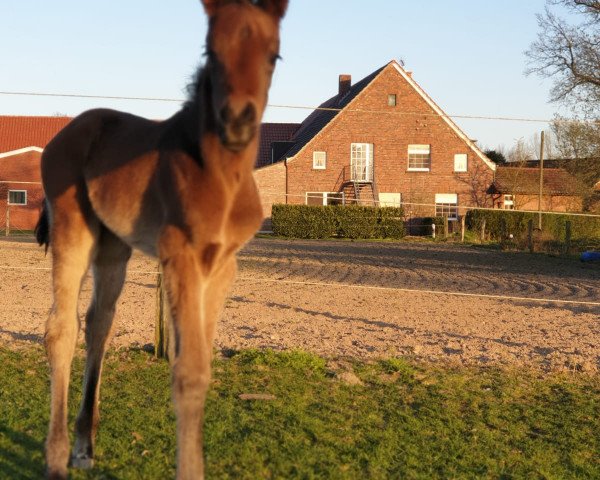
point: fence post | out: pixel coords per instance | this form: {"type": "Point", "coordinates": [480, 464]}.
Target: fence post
{"type": "Point", "coordinates": [567, 247]}
{"type": "Point", "coordinates": [462, 228]}
{"type": "Point", "coordinates": [482, 237]}
{"type": "Point", "coordinates": [446, 226]}
{"type": "Point", "coordinates": [7, 231]}
{"type": "Point", "coordinates": [530, 235]}
{"type": "Point", "coordinates": [162, 330]}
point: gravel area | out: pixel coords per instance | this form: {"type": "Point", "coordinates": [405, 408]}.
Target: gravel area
{"type": "Point", "coordinates": [362, 300]}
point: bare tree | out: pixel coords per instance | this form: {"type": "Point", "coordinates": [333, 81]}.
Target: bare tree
{"type": "Point", "coordinates": [569, 53]}
{"type": "Point", "coordinates": [478, 180]}
{"type": "Point", "coordinates": [579, 144]}
{"type": "Point", "coordinates": [521, 151]}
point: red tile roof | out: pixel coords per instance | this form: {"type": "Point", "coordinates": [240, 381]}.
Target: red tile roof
{"type": "Point", "coordinates": [525, 180]}
{"type": "Point", "coordinates": [269, 133]}
{"type": "Point", "coordinates": [23, 132]}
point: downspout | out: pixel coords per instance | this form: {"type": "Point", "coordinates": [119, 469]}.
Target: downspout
{"type": "Point", "coordinates": [285, 162]}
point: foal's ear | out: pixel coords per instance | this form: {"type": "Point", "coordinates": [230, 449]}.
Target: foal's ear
{"type": "Point", "coordinates": [211, 6]}
{"type": "Point", "coordinates": [276, 8]}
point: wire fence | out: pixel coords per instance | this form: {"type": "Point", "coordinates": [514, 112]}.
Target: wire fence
{"type": "Point", "coordinates": [313, 108]}
{"type": "Point", "coordinates": [324, 284]}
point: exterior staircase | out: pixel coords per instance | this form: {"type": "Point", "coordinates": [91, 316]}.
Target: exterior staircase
{"type": "Point", "coordinates": [360, 193]}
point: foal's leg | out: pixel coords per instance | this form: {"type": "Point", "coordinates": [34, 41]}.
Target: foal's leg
{"type": "Point", "coordinates": [109, 268]}
{"type": "Point", "coordinates": [73, 240]}
{"type": "Point", "coordinates": [189, 285]}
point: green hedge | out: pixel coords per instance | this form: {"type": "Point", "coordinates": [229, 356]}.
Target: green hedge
{"type": "Point", "coordinates": [500, 223]}
{"type": "Point", "coordinates": [304, 221]}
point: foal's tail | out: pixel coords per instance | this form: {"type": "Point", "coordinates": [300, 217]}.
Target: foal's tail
{"type": "Point", "coordinates": [42, 229]}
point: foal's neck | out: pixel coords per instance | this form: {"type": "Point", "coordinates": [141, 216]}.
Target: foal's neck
{"type": "Point", "coordinates": [200, 129]}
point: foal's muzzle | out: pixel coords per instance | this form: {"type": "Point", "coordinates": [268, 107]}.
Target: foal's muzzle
{"type": "Point", "coordinates": [237, 130]}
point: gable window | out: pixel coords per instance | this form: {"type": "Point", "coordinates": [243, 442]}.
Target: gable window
{"type": "Point", "coordinates": [460, 162]}
{"type": "Point", "coordinates": [419, 158]}
{"type": "Point", "coordinates": [509, 202]}
{"type": "Point", "coordinates": [319, 160]}
{"type": "Point", "coordinates": [361, 162]}
{"type": "Point", "coordinates": [324, 198]}
{"type": "Point", "coordinates": [17, 197]}
{"type": "Point", "coordinates": [446, 205]}
{"type": "Point", "coordinates": [392, 100]}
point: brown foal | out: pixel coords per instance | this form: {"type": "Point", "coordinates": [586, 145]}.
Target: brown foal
{"type": "Point", "coordinates": [181, 190]}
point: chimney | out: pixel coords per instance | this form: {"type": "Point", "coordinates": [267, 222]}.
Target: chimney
{"type": "Point", "coordinates": [345, 82]}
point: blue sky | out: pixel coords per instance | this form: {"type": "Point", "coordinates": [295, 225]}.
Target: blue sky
{"type": "Point", "coordinates": [466, 54]}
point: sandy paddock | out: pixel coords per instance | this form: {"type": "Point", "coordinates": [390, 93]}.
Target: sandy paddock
{"type": "Point", "coordinates": [364, 300]}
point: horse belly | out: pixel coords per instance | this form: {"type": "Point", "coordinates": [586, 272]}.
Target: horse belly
{"type": "Point", "coordinates": [124, 203]}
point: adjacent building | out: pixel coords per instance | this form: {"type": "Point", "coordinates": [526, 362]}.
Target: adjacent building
{"type": "Point", "coordinates": [22, 140]}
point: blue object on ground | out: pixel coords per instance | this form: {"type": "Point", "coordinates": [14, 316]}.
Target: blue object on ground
{"type": "Point", "coordinates": [590, 256]}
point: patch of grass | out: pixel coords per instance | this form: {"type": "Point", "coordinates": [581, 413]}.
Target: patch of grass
{"type": "Point", "coordinates": [405, 420]}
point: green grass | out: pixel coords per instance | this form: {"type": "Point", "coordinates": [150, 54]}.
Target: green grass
{"type": "Point", "coordinates": [398, 420]}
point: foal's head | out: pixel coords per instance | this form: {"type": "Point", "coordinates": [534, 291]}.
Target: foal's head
{"type": "Point", "coordinates": [242, 47]}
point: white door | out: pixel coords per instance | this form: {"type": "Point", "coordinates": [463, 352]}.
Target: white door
{"type": "Point", "coordinates": [361, 162]}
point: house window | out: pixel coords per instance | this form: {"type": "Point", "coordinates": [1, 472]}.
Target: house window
{"type": "Point", "coordinates": [319, 160]}
{"type": "Point", "coordinates": [392, 100]}
{"type": "Point", "coordinates": [17, 197]}
{"type": "Point", "coordinates": [460, 162]}
{"type": "Point", "coordinates": [509, 202]}
{"type": "Point", "coordinates": [324, 198]}
{"type": "Point", "coordinates": [390, 199]}
{"type": "Point", "coordinates": [446, 204]}
{"type": "Point", "coordinates": [361, 162]}
{"type": "Point", "coordinates": [419, 158]}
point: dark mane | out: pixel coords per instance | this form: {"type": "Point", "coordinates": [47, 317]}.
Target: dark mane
{"type": "Point", "coordinates": [192, 89]}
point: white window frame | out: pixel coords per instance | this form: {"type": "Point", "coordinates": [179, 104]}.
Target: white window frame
{"type": "Point", "coordinates": [325, 196]}
{"type": "Point", "coordinates": [446, 201]}
{"type": "Point", "coordinates": [419, 149]}
{"type": "Point", "coordinates": [508, 201]}
{"type": "Point", "coordinates": [361, 161]}
{"type": "Point", "coordinates": [390, 199]}
{"type": "Point", "coordinates": [392, 100]}
{"type": "Point", "coordinates": [16, 191]}
{"type": "Point", "coordinates": [461, 162]}
{"type": "Point", "coordinates": [319, 160]}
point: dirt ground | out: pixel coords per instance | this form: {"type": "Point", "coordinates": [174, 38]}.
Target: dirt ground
{"type": "Point", "coordinates": [363, 300]}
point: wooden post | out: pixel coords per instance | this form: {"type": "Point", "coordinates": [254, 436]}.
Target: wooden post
{"type": "Point", "coordinates": [541, 193]}
{"type": "Point", "coordinates": [7, 231]}
{"type": "Point", "coordinates": [567, 247]}
{"type": "Point", "coordinates": [482, 237]}
{"type": "Point", "coordinates": [162, 332]}
{"type": "Point", "coordinates": [446, 226]}
{"type": "Point", "coordinates": [530, 235]}
{"type": "Point", "coordinates": [462, 228]}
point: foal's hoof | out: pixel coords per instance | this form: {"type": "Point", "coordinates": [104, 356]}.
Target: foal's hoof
{"type": "Point", "coordinates": [56, 475]}
{"type": "Point", "coordinates": [82, 462]}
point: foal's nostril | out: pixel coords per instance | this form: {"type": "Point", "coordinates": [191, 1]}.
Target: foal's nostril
{"type": "Point", "coordinates": [248, 115]}
{"type": "Point", "coordinates": [226, 114]}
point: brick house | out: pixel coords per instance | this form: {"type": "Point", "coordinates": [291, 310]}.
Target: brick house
{"type": "Point", "coordinates": [380, 141]}
{"type": "Point", "coordinates": [517, 187]}
{"type": "Point", "coordinates": [22, 140]}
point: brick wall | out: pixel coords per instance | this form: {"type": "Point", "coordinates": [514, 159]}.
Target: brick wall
{"type": "Point", "coordinates": [554, 203]}
{"type": "Point", "coordinates": [391, 132]}
{"type": "Point", "coordinates": [23, 167]}
{"type": "Point", "coordinates": [271, 186]}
